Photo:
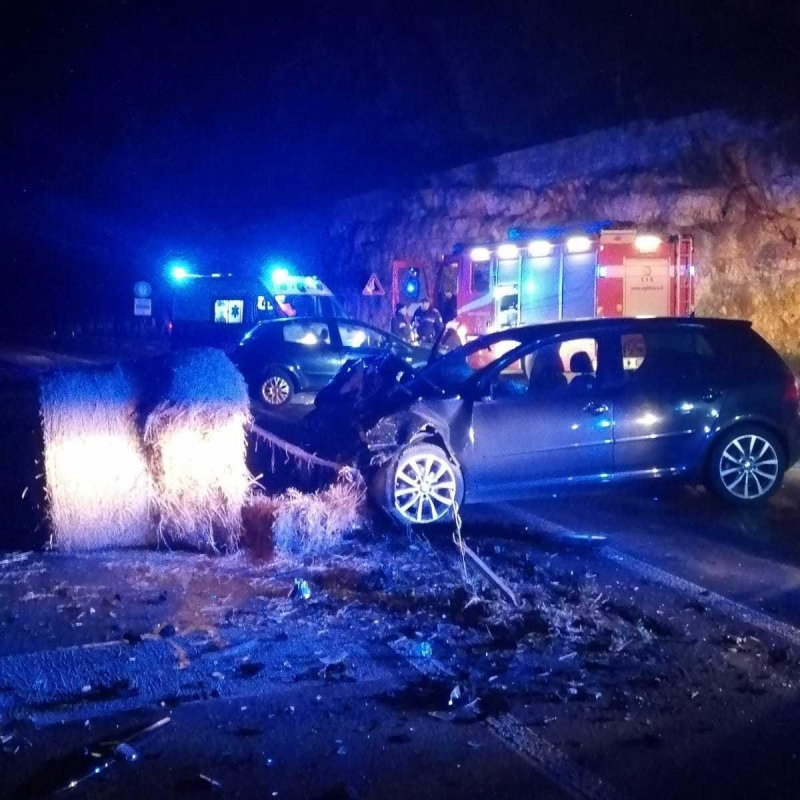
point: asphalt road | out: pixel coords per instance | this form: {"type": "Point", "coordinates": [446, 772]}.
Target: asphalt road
{"type": "Point", "coordinates": [752, 557]}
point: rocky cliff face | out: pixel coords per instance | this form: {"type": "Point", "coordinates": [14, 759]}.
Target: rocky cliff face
{"type": "Point", "coordinates": [734, 186]}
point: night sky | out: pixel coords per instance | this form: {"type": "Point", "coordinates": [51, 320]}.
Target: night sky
{"type": "Point", "coordinates": [136, 131]}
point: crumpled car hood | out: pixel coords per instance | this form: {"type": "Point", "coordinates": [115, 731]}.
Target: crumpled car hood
{"type": "Point", "coordinates": [371, 403]}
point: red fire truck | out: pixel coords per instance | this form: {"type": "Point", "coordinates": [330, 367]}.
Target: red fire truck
{"type": "Point", "coordinates": [564, 273]}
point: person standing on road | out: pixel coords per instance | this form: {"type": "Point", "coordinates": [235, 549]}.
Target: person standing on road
{"type": "Point", "coordinates": [427, 322]}
{"type": "Point", "coordinates": [400, 324]}
{"type": "Point", "coordinates": [448, 306]}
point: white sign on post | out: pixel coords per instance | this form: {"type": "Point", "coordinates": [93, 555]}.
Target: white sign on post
{"type": "Point", "coordinates": [142, 306]}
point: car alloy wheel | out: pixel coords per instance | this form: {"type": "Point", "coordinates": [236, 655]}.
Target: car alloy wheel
{"type": "Point", "coordinates": [425, 487]}
{"type": "Point", "coordinates": [749, 466]}
{"type": "Point", "coordinates": [276, 390]}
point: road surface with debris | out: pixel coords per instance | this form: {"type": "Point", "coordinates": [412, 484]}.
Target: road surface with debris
{"type": "Point", "coordinates": [653, 654]}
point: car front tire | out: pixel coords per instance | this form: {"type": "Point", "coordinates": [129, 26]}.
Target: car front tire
{"type": "Point", "coordinates": [276, 388]}
{"type": "Point", "coordinates": [421, 485]}
{"type": "Point", "coordinates": [747, 466]}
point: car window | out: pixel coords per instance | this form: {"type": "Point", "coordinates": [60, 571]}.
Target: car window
{"type": "Point", "coordinates": [651, 355]}
{"type": "Point", "coordinates": [557, 368]}
{"type": "Point", "coordinates": [330, 306]}
{"type": "Point", "coordinates": [308, 333]}
{"type": "Point", "coordinates": [228, 312]}
{"type": "Point", "coordinates": [265, 308]}
{"type": "Point", "coordinates": [459, 365]}
{"type": "Point", "coordinates": [356, 336]}
{"type": "Point", "coordinates": [480, 276]}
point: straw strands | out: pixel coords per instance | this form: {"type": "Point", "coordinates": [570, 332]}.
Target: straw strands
{"type": "Point", "coordinates": [315, 523]}
{"type": "Point", "coordinates": [98, 489]}
{"type": "Point", "coordinates": [196, 447]}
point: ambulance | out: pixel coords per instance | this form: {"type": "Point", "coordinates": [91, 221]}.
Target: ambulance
{"type": "Point", "coordinates": [219, 308]}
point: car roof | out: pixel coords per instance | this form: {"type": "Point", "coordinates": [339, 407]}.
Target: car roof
{"type": "Point", "coordinates": [609, 323]}
{"type": "Point", "coordinates": [284, 320]}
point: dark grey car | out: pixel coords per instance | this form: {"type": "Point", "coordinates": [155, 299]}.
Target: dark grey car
{"type": "Point", "coordinates": [580, 403]}
{"type": "Point", "coordinates": [281, 357]}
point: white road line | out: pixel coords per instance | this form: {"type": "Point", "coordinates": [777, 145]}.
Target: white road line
{"type": "Point", "coordinates": [555, 765]}
{"type": "Point", "coordinates": [551, 762]}
{"type": "Point", "coordinates": [731, 608]}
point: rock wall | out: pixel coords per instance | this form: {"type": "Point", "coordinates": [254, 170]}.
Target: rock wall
{"type": "Point", "coordinates": [734, 185]}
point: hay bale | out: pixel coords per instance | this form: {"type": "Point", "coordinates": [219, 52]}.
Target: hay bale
{"type": "Point", "coordinates": [315, 523]}
{"type": "Point", "coordinates": [196, 446]}
{"type": "Point", "coordinates": [98, 490]}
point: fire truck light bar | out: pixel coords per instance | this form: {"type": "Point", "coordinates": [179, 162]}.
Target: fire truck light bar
{"type": "Point", "coordinates": [507, 251]}
{"type": "Point", "coordinates": [647, 243]}
{"type": "Point", "coordinates": [539, 247]}
{"type": "Point", "coordinates": [480, 254]}
{"type": "Point", "coordinates": [579, 244]}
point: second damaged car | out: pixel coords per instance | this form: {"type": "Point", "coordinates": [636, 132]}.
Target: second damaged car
{"type": "Point", "coordinates": [569, 404]}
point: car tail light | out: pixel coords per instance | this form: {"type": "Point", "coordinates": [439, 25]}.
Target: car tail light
{"type": "Point", "coordinates": [791, 391]}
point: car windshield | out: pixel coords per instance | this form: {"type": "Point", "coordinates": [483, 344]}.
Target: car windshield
{"type": "Point", "coordinates": [454, 368]}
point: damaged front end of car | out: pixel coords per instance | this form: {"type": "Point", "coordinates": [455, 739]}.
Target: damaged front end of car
{"type": "Point", "coordinates": [374, 407]}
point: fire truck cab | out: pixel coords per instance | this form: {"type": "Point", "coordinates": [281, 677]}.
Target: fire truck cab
{"type": "Point", "coordinates": [562, 273]}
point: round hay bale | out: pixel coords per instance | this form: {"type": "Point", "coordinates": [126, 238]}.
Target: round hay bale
{"type": "Point", "coordinates": [98, 490]}
{"type": "Point", "coordinates": [196, 446]}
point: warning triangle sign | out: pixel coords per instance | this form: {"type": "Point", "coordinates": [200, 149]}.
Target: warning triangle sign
{"type": "Point", "coordinates": [373, 287]}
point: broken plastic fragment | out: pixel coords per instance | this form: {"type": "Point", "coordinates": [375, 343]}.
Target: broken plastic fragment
{"type": "Point", "coordinates": [455, 695]}
{"type": "Point", "coordinates": [124, 751]}
{"type": "Point", "coordinates": [300, 589]}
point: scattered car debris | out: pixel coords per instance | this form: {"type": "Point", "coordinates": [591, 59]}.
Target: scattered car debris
{"type": "Point", "coordinates": [300, 589]}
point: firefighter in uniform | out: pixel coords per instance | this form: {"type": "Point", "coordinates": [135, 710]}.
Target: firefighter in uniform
{"type": "Point", "coordinates": [427, 322]}
{"type": "Point", "coordinates": [400, 325]}
{"type": "Point", "coordinates": [448, 306]}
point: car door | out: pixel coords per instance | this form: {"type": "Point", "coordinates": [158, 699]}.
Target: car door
{"type": "Point", "coordinates": [547, 420]}
{"type": "Point", "coordinates": [669, 390]}
{"type": "Point", "coordinates": [309, 351]}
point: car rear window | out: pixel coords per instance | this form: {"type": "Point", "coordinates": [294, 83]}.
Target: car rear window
{"type": "Point", "coordinates": [658, 353]}
{"type": "Point", "coordinates": [744, 352]}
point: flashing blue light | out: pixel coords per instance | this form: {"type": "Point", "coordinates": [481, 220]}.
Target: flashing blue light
{"type": "Point", "coordinates": [411, 285]}
{"type": "Point", "coordinates": [279, 275]}
{"type": "Point", "coordinates": [530, 287]}
{"type": "Point", "coordinates": [178, 271]}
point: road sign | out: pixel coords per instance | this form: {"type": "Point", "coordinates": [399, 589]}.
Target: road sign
{"type": "Point", "coordinates": [142, 307]}
{"type": "Point", "coordinates": [373, 287]}
{"type": "Point", "coordinates": [142, 289]}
